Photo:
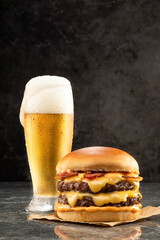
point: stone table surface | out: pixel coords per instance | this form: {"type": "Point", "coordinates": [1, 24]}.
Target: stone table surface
{"type": "Point", "coordinates": [14, 197]}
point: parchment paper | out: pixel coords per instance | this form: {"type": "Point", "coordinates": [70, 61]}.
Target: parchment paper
{"type": "Point", "coordinates": [145, 212]}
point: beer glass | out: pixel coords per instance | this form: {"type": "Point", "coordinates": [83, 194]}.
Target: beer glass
{"type": "Point", "coordinates": [47, 117]}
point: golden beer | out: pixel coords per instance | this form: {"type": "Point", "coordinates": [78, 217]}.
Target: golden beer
{"type": "Point", "coordinates": [47, 117]}
{"type": "Point", "coordinates": [48, 138]}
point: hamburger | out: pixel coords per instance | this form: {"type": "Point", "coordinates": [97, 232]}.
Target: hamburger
{"type": "Point", "coordinates": [98, 184]}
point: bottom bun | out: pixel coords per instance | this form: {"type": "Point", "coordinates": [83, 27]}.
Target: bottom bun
{"type": "Point", "coordinates": [98, 216]}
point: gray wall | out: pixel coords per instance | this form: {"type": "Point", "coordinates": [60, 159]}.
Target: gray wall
{"type": "Point", "coordinates": [110, 51]}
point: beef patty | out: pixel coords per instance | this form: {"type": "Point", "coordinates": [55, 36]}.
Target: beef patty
{"type": "Point", "coordinates": [88, 201]}
{"type": "Point", "coordinates": [83, 187]}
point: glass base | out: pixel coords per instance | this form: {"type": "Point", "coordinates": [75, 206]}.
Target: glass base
{"type": "Point", "coordinates": [41, 204]}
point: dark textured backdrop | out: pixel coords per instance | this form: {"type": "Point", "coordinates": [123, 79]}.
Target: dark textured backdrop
{"type": "Point", "coordinates": [110, 51]}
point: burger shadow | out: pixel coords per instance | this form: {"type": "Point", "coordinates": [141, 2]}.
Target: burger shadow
{"type": "Point", "coordinates": [75, 232]}
{"type": "Point", "coordinates": [122, 232]}
{"type": "Point", "coordinates": [128, 231]}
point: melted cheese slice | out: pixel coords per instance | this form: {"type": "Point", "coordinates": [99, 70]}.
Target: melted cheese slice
{"type": "Point", "coordinates": [111, 178]}
{"type": "Point", "coordinates": [67, 208]}
{"type": "Point", "coordinates": [100, 199]}
{"type": "Point", "coordinates": [98, 183]}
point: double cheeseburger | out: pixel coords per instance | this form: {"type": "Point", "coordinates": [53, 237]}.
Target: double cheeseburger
{"type": "Point", "coordinates": [98, 184]}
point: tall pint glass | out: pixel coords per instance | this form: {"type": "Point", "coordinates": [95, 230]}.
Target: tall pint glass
{"type": "Point", "coordinates": [47, 117]}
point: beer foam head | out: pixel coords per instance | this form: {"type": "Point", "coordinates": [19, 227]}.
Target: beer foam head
{"type": "Point", "coordinates": [47, 94]}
